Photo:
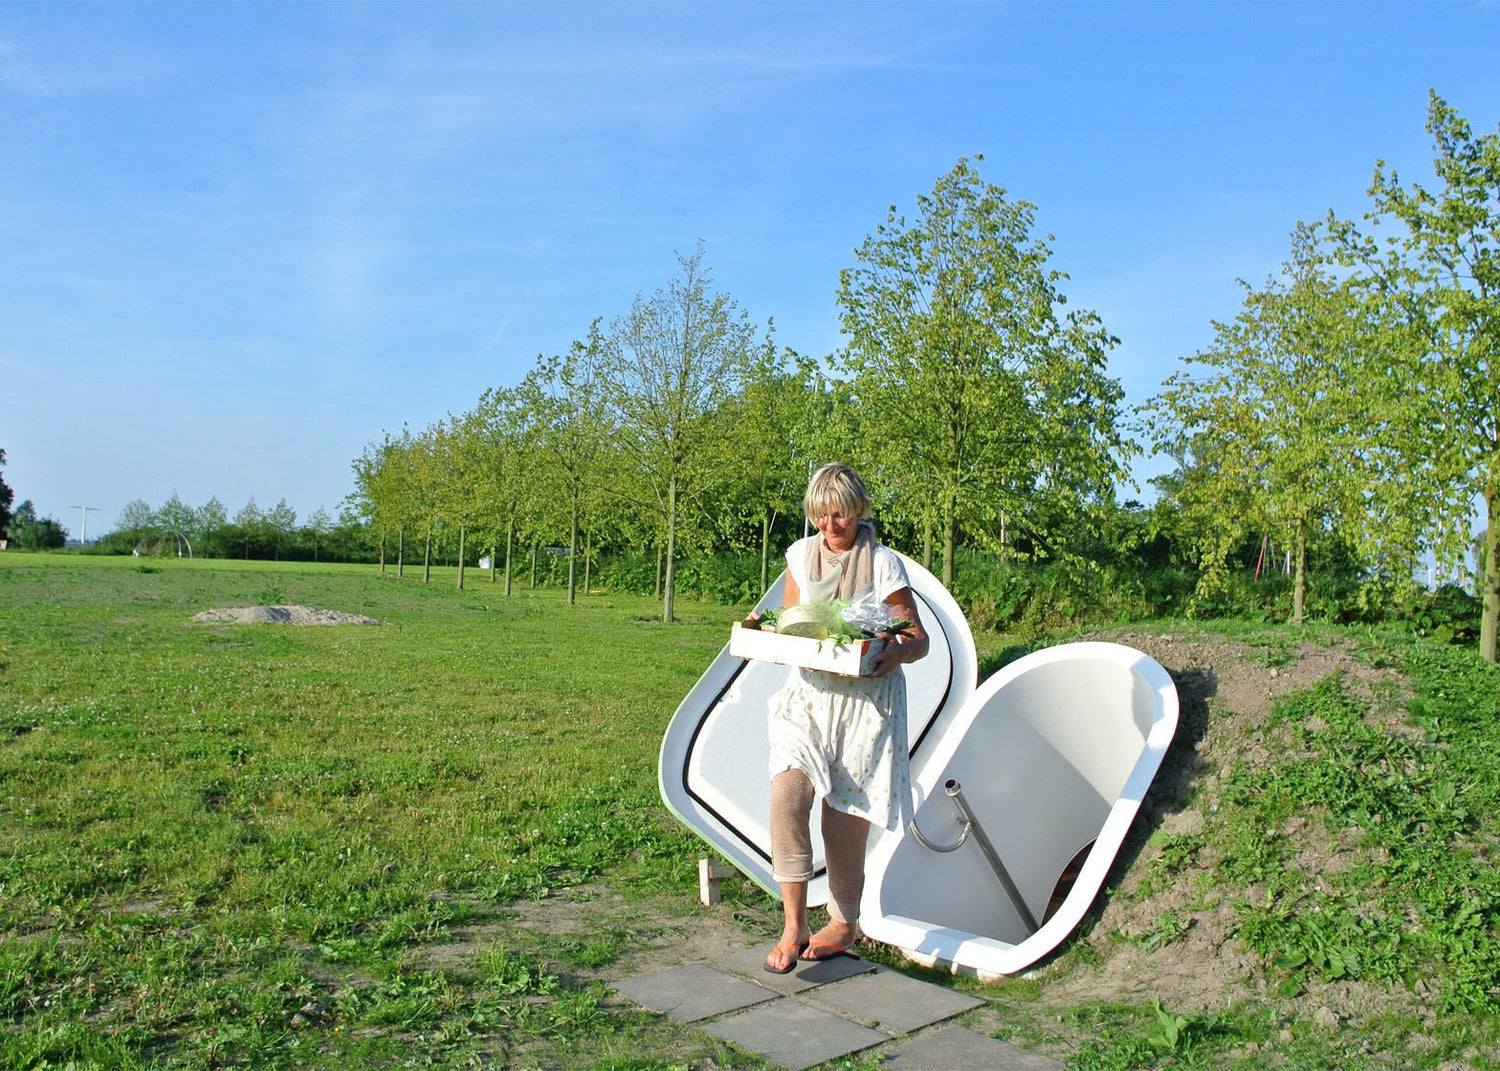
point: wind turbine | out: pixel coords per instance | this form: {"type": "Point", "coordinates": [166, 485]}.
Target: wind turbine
{"type": "Point", "coordinates": [83, 530]}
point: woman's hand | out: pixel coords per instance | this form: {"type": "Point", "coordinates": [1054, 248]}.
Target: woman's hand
{"type": "Point", "coordinates": [906, 646]}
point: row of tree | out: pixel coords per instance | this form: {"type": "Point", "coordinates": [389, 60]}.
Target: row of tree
{"type": "Point", "coordinates": [1352, 403]}
{"type": "Point", "coordinates": [177, 529]}
{"type": "Point", "coordinates": [974, 401]}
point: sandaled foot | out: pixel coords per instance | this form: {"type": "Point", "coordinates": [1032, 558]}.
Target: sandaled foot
{"type": "Point", "coordinates": [833, 940]}
{"type": "Point", "coordinates": [819, 950]}
{"type": "Point", "coordinates": [784, 956]}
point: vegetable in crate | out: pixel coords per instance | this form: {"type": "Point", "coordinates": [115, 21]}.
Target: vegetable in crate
{"type": "Point", "coordinates": [831, 619]}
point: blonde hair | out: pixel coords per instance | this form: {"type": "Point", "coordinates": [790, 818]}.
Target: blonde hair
{"type": "Point", "coordinates": [836, 485]}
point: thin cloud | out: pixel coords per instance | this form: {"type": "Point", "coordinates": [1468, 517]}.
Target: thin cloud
{"type": "Point", "coordinates": [81, 62]}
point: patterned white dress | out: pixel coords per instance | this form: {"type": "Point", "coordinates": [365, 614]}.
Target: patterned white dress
{"type": "Point", "coordinates": [848, 734]}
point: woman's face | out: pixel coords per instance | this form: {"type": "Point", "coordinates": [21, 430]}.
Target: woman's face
{"type": "Point", "coordinates": [838, 528]}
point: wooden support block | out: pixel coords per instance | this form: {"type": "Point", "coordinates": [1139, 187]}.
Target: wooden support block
{"type": "Point", "coordinates": [709, 875]}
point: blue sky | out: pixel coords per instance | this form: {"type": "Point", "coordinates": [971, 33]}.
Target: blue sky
{"type": "Point", "coordinates": [240, 241]}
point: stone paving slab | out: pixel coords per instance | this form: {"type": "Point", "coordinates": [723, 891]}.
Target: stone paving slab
{"type": "Point", "coordinates": [692, 992]}
{"type": "Point", "coordinates": [793, 1035]}
{"type": "Point", "coordinates": [826, 1010]}
{"type": "Point", "coordinates": [893, 1002]}
{"type": "Point", "coordinates": [956, 1048]}
{"type": "Point", "coordinates": [751, 962]}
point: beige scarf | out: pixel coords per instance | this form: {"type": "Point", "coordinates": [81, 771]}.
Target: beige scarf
{"type": "Point", "coordinates": [841, 576]}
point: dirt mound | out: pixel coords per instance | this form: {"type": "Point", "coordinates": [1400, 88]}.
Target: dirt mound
{"type": "Point", "coordinates": [1226, 690]}
{"type": "Point", "coordinates": [281, 615]}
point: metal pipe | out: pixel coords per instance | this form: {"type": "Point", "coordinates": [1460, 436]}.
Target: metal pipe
{"type": "Point", "coordinates": [971, 825]}
{"type": "Point", "coordinates": [930, 846]}
{"type": "Point", "coordinates": [992, 856]}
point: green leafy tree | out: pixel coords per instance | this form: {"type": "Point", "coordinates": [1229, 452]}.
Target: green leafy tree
{"type": "Point", "coordinates": [566, 397]}
{"type": "Point", "coordinates": [31, 532]}
{"type": "Point", "coordinates": [463, 454]}
{"type": "Point", "coordinates": [280, 524]}
{"type": "Point", "coordinates": [210, 521]}
{"type": "Point", "coordinates": [423, 465]}
{"type": "Point", "coordinates": [135, 519]}
{"type": "Point", "coordinates": [176, 520]}
{"type": "Point", "coordinates": [1275, 421]}
{"type": "Point", "coordinates": [250, 521]}
{"type": "Point", "coordinates": [319, 524]}
{"type": "Point", "coordinates": [673, 362]}
{"type": "Point", "coordinates": [505, 431]}
{"type": "Point", "coordinates": [385, 491]}
{"type": "Point", "coordinates": [7, 496]}
{"type": "Point", "coordinates": [374, 499]}
{"type": "Point", "coordinates": [981, 396]}
{"type": "Point", "coordinates": [770, 421]}
{"type": "Point", "coordinates": [1442, 268]}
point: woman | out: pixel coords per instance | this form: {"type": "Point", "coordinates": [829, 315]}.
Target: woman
{"type": "Point", "coordinates": [843, 737]}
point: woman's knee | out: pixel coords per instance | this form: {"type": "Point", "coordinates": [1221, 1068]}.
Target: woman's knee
{"type": "Point", "coordinates": [791, 796]}
{"type": "Point", "coordinates": [791, 831]}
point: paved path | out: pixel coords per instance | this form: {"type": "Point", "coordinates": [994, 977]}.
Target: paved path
{"type": "Point", "coordinates": [823, 1011]}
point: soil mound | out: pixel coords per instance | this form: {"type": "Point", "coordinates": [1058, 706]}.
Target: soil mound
{"type": "Point", "coordinates": [281, 615]}
{"type": "Point", "coordinates": [1227, 690]}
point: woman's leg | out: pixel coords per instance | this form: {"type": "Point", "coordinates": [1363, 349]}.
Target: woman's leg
{"type": "Point", "coordinates": [844, 837]}
{"type": "Point", "coordinates": [791, 862]}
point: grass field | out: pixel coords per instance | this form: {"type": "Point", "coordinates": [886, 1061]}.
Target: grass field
{"type": "Point", "coordinates": [203, 826]}
{"type": "Point", "coordinates": [231, 845]}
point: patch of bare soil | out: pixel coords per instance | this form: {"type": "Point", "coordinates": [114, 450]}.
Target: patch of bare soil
{"type": "Point", "coordinates": [280, 615]}
{"type": "Point", "coordinates": [655, 933]}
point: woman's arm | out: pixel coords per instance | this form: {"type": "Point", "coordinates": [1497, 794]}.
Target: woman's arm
{"type": "Point", "coordinates": [907, 646]}
{"type": "Point", "coordinates": [789, 597]}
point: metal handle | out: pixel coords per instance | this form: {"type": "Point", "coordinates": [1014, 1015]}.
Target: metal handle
{"type": "Point", "coordinates": [971, 825]}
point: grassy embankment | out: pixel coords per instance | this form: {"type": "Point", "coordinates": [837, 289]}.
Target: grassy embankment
{"type": "Point", "coordinates": [239, 844]}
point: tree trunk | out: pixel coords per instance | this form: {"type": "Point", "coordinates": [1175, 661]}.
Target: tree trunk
{"type": "Point", "coordinates": [462, 531]}
{"type": "Point", "coordinates": [400, 553]}
{"type": "Point", "coordinates": [427, 557]}
{"type": "Point", "coordinates": [1299, 585]}
{"type": "Point", "coordinates": [671, 578]}
{"type": "Point", "coordinates": [765, 548]}
{"type": "Point", "coordinates": [382, 552]}
{"type": "Point", "coordinates": [510, 541]}
{"type": "Point", "coordinates": [927, 542]}
{"type": "Point", "coordinates": [950, 533]}
{"type": "Point", "coordinates": [1489, 620]}
{"type": "Point", "coordinates": [573, 555]}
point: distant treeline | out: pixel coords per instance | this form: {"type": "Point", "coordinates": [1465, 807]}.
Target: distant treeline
{"type": "Point", "coordinates": [1138, 566]}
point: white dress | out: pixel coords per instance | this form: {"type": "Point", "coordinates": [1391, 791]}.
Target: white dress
{"type": "Point", "coordinates": [848, 734]}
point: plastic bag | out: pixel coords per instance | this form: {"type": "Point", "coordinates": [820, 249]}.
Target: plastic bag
{"type": "Point", "coordinates": [871, 615]}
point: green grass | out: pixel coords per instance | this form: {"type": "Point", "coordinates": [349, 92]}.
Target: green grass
{"type": "Point", "coordinates": [206, 828]}
{"type": "Point", "coordinates": [232, 845]}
